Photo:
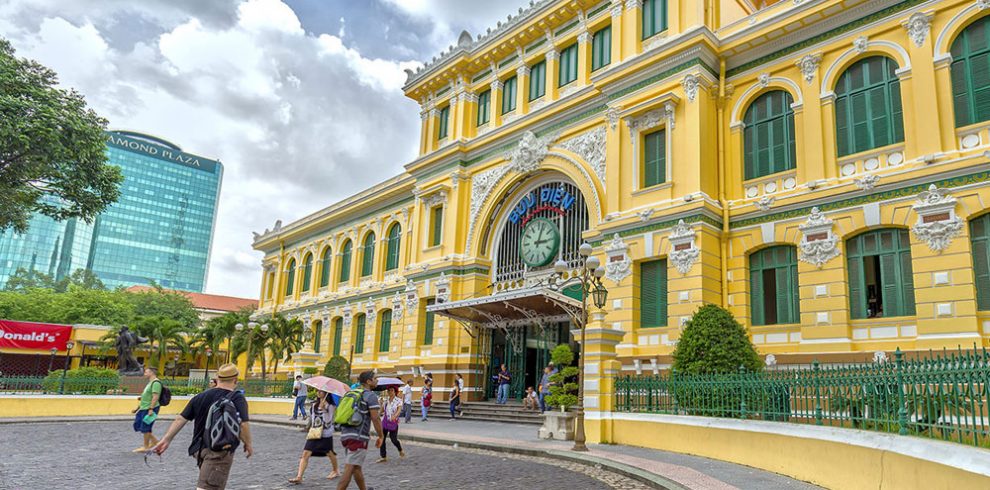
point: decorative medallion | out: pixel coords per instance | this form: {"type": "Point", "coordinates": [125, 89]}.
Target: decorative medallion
{"type": "Point", "coordinates": [690, 83]}
{"type": "Point", "coordinates": [861, 43]}
{"type": "Point", "coordinates": [818, 245]}
{"type": "Point", "coordinates": [397, 306]}
{"type": "Point", "coordinates": [370, 311]}
{"type": "Point", "coordinates": [808, 64]}
{"type": "Point", "coordinates": [937, 221]}
{"type": "Point", "coordinates": [412, 298]}
{"type": "Point", "coordinates": [765, 203]}
{"type": "Point", "coordinates": [763, 80]}
{"type": "Point", "coordinates": [868, 182]}
{"type": "Point", "coordinates": [618, 266]}
{"type": "Point", "coordinates": [683, 253]}
{"type": "Point", "coordinates": [348, 314]}
{"type": "Point", "coordinates": [529, 152]}
{"type": "Point", "coordinates": [918, 26]}
{"type": "Point", "coordinates": [612, 116]}
{"type": "Point", "coordinates": [770, 360]}
{"type": "Point", "coordinates": [443, 289]}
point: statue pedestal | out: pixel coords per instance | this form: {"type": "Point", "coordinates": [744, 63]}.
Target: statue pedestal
{"type": "Point", "coordinates": [302, 360]}
{"type": "Point", "coordinates": [132, 385]}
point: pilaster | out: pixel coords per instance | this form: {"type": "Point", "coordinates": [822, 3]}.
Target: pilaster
{"type": "Point", "coordinates": [926, 129]}
{"type": "Point", "coordinates": [495, 104]}
{"type": "Point", "coordinates": [632, 34]}
{"type": "Point", "coordinates": [584, 57]}
{"type": "Point", "coordinates": [522, 88]}
{"type": "Point", "coordinates": [553, 73]}
{"type": "Point", "coordinates": [617, 31]}
{"type": "Point", "coordinates": [600, 370]}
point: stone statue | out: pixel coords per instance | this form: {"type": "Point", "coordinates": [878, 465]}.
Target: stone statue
{"type": "Point", "coordinates": [127, 364]}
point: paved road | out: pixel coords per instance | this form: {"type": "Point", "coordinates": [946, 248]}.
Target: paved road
{"type": "Point", "coordinates": [96, 455]}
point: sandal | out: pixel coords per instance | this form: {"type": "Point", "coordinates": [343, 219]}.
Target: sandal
{"type": "Point", "coordinates": [295, 481]}
{"type": "Point", "coordinates": [333, 475]}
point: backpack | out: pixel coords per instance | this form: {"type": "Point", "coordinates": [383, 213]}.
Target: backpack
{"type": "Point", "coordinates": [165, 397]}
{"type": "Point", "coordinates": [348, 412]}
{"type": "Point", "coordinates": [223, 426]}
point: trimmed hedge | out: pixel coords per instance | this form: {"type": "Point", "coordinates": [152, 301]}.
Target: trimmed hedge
{"type": "Point", "coordinates": [83, 381]}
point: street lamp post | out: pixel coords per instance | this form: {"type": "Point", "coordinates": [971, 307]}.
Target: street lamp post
{"type": "Point", "coordinates": [51, 360]}
{"type": "Point", "coordinates": [68, 359]}
{"type": "Point", "coordinates": [590, 280]}
{"type": "Point", "coordinates": [209, 354]}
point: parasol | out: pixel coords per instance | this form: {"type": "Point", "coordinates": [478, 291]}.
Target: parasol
{"type": "Point", "coordinates": [328, 385]}
{"type": "Point", "coordinates": [385, 382]}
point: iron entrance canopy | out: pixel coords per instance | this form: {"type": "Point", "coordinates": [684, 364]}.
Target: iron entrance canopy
{"type": "Point", "coordinates": [517, 308]}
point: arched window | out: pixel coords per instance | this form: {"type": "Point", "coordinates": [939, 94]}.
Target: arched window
{"type": "Point", "coordinates": [979, 233]}
{"type": "Point", "coordinates": [345, 262]}
{"type": "Point", "coordinates": [368, 255]}
{"type": "Point", "coordinates": [868, 106]}
{"type": "Point", "coordinates": [881, 280]}
{"type": "Point", "coordinates": [338, 333]}
{"type": "Point", "coordinates": [392, 254]}
{"type": "Point", "coordinates": [773, 283]}
{"type": "Point", "coordinates": [359, 333]}
{"type": "Point", "coordinates": [971, 73]}
{"type": "Point", "coordinates": [768, 137]}
{"type": "Point", "coordinates": [325, 267]}
{"type": "Point", "coordinates": [317, 336]}
{"type": "Point", "coordinates": [290, 281]}
{"type": "Point", "coordinates": [307, 273]}
{"type": "Point", "coordinates": [386, 330]}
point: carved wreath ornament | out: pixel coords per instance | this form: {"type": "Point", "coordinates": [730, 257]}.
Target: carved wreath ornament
{"type": "Point", "coordinates": [618, 265]}
{"type": "Point", "coordinates": [819, 245]}
{"type": "Point", "coordinates": [937, 221]}
{"type": "Point", "coordinates": [530, 151]}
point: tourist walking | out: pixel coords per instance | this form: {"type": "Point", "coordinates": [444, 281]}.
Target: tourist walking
{"type": "Point", "coordinates": [147, 410]}
{"type": "Point", "coordinates": [460, 389]}
{"type": "Point", "coordinates": [455, 400]}
{"type": "Point", "coordinates": [504, 380]}
{"type": "Point", "coordinates": [426, 399]}
{"type": "Point", "coordinates": [407, 400]}
{"type": "Point", "coordinates": [544, 388]}
{"type": "Point", "coordinates": [319, 437]}
{"type": "Point", "coordinates": [214, 446]}
{"type": "Point", "coordinates": [299, 391]}
{"type": "Point", "coordinates": [354, 436]}
{"type": "Point", "coordinates": [391, 411]}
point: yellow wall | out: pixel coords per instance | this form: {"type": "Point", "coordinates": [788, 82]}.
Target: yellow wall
{"type": "Point", "coordinates": [77, 406]}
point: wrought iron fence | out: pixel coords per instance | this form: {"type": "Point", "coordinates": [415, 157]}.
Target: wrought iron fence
{"type": "Point", "coordinates": [941, 396]}
{"type": "Point", "coordinates": [56, 383]}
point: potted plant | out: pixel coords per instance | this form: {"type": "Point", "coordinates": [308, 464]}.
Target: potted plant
{"type": "Point", "coordinates": [558, 423]}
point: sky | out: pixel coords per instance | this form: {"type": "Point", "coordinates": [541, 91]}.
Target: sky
{"type": "Point", "coordinates": [300, 99]}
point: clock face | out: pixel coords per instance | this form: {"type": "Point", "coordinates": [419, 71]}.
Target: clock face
{"type": "Point", "coordinates": [539, 242]}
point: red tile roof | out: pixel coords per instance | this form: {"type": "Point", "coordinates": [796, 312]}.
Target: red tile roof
{"type": "Point", "coordinates": [212, 302]}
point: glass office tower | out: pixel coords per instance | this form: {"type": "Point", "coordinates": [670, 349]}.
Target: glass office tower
{"type": "Point", "coordinates": [159, 230]}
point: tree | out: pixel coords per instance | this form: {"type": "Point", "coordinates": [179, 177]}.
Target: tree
{"type": "Point", "coordinates": [164, 333]}
{"type": "Point", "coordinates": [339, 369]}
{"type": "Point", "coordinates": [714, 342]}
{"type": "Point", "coordinates": [222, 328]}
{"type": "Point", "coordinates": [564, 391]}
{"type": "Point", "coordinates": [81, 278]}
{"type": "Point", "coordinates": [52, 148]}
{"type": "Point", "coordinates": [158, 302]}
{"type": "Point", "coordinates": [23, 279]}
{"type": "Point", "coordinates": [286, 338]}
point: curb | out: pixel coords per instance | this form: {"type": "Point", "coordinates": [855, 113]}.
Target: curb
{"type": "Point", "coordinates": [645, 477]}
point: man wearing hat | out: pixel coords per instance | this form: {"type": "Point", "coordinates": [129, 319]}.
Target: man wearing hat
{"type": "Point", "coordinates": [214, 466]}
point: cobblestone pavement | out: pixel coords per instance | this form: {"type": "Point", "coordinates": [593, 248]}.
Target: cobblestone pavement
{"type": "Point", "coordinates": [96, 455]}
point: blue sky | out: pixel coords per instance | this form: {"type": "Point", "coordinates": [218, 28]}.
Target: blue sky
{"type": "Point", "coordinates": [300, 99]}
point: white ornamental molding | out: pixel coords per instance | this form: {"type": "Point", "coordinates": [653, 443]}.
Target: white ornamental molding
{"type": "Point", "coordinates": [818, 245]}
{"type": "Point", "coordinates": [370, 311]}
{"type": "Point", "coordinates": [880, 357]}
{"type": "Point", "coordinates": [937, 221]}
{"type": "Point", "coordinates": [983, 4]}
{"type": "Point", "coordinates": [763, 80]}
{"type": "Point", "coordinates": [765, 203]}
{"type": "Point", "coordinates": [683, 253]}
{"type": "Point", "coordinates": [808, 64]}
{"type": "Point", "coordinates": [437, 198]}
{"type": "Point", "coordinates": [443, 289]}
{"type": "Point", "coordinates": [616, 8]}
{"type": "Point", "coordinates": [412, 297]}
{"type": "Point", "coordinates": [645, 214]}
{"type": "Point", "coordinates": [868, 182]}
{"type": "Point", "coordinates": [618, 265]}
{"type": "Point", "coordinates": [652, 119]}
{"type": "Point", "coordinates": [348, 314]}
{"type": "Point", "coordinates": [691, 82]}
{"type": "Point", "coordinates": [918, 26]}
{"type": "Point", "coordinates": [591, 147]}
{"type": "Point", "coordinates": [770, 360]}
{"type": "Point", "coordinates": [482, 184]}
{"type": "Point", "coordinates": [397, 306]}
{"type": "Point", "coordinates": [529, 152]}
{"type": "Point", "coordinates": [612, 116]}
{"type": "Point", "coordinates": [861, 43]}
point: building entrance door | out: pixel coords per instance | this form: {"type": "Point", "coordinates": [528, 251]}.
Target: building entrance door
{"type": "Point", "coordinates": [525, 351]}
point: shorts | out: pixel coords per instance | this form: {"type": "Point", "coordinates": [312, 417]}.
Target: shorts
{"type": "Point", "coordinates": [139, 425]}
{"type": "Point", "coordinates": [355, 457]}
{"type": "Point", "coordinates": [320, 447]}
{"type": "Point", "coordinates": [215, 469]}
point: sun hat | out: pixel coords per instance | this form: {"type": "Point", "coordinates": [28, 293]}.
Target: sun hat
{"type": "Point", "coordinates": [228, 371]}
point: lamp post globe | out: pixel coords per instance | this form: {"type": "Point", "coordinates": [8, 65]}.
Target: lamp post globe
{"type": "Point", "coordinates": [592, 263]}
{"type": "Point", "coordinates": [239, 327]}
{"type": "Point", "coordinates": [252, 325]}
{"type": "Point", "coordinates": [560, 266]}
{"type": "Point", "coordinates": [585, 249]}
{"type": "Point", "coordinates": [264, 328]}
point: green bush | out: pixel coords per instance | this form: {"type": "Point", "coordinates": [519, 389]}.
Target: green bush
{"type": "Point", "coordinates": [564, 391]}
{"type": "Point", "coordinates": [84, 381]}
{"type": "Point", "coordinates": [310, 371]}
{"type": "Point", "coordinates": [713, 342]}
{"type": "Point", "coordinates": [339, 369]}
{"type": "Point", "coordinates": [185, 390]}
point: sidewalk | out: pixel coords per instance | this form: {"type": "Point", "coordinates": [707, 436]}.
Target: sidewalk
{"type": "Point", "coordinates": [661, 469]}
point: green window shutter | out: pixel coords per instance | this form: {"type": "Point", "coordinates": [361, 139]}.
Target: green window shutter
{"type": "Point", "coordinates": [868, 109]}
{"type": "Point", "coordinates": [601, 48]}
{"type": "Point", "coordinates": [325, 268]}
{"type": "Point", "coordinates": [782, 260]}
{"type": "Point", "coordinates": [857, 288]}
{"type": "Point", "coordinates": [345, 262]}
{"type": "Point", "coordinates": [654, 158]}
{"type": "Point", "coordinates": [892, 296]}
{"type": "Point", "coordinates": [842, 126]}
{"type": "Point", "coordinates": [290, 282]}
{"type": "Point", "coordinates": [428, 323]}
{"type": "Point", "coordinates": [906, 273]}
{"type": "Point", "coordinates": [317, 334]}
{"type": "Point", "coordinates": [509, 95]}
{"type": "Point", "coordinates": [484, 100]}
{"type": "Point", "coordinates": [392, 254]}
{"type": "Point", "coordinates": [970, 73]}
{"type": "Point", "coordinates": [768, 136]}
{"type": "Point", "coordinates": [538, 80]}
{"type": "Point", "coordinates": [568, 69]}
{"type": "Point", "coordinates": [338, 332]}
{"type": "Point", "coordinates": [437, 222]}
{"type": "Point", "coordinates": [654, 17]}
{"type": "Point", "coordinates": [979, 232]}
{"type": "Point", "coordinates": [444, 120]}
{"type": "Point", "coordinates": [307, 273]}
{"type": "Point", "coordinates": [368, 255]}
{"type": "Point", "coordinates": [653, 294]}
{"type": "Point", "coordinates": [359, 335]}
{"type": "Point", "coordinates": [756, 293]}
{"type": "Point", "coordinates": [386, 331]}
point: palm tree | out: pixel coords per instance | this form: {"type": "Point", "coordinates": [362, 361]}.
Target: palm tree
{"type": "Point", "coordinates": [286, 338]}
{"type": "Point", "coordinates": [165, 333]}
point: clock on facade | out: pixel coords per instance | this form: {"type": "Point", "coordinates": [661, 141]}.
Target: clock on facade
{"type": "Point", "coordinates": [539, 242]}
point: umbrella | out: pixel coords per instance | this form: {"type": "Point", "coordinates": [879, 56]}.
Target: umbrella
{"type": "Point", "coordinates": [385, 382]}
{"type": "Point", "coordinates": [328, 385]}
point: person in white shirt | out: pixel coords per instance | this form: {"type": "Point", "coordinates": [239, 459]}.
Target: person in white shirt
{"type": "Point", "coordinates": [407, 400]}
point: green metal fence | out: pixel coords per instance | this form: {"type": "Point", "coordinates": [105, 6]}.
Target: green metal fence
{"type": "Point", "coordinates": [939, 396]}
{"type": "Point", "coordinates": [119, 386]}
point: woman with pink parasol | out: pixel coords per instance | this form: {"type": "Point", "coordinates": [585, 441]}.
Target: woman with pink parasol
{"type": "Point", "coordinates": [319, 436]}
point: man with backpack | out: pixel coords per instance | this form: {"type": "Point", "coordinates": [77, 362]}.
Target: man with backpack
{"type": "Point", "coordinates": [220, 424]}
{"type": "Point", "coordinates": [152, 399]}
{"type": "Point", "coordinates": [356, 412]}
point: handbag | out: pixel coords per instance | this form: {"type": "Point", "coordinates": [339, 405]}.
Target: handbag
{"type": "Point", "coordinates": [314, 433]}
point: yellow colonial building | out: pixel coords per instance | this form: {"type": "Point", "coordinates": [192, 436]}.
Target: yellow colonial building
{"type": "Point", "coordinates": [818, 167]}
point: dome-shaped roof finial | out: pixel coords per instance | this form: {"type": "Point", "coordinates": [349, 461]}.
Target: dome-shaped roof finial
{"type": "Point", "coordinates": [464, 40]}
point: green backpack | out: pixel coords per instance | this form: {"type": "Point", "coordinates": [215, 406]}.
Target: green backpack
{"type": "Point", "coordinates": [347, 412]}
